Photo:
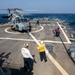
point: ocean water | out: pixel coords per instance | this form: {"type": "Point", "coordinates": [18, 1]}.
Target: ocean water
{"type": "Point", "coordinates": [68, 18]}
{"type": "Point", "coordinates": [3, 20]}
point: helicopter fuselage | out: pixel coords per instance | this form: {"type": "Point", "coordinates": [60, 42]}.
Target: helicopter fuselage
{"type": "Point", "coordinates": [18, 22]}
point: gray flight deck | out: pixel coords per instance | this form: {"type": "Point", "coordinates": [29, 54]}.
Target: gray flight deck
{"type": "Point", "coordinates": [11, 43]}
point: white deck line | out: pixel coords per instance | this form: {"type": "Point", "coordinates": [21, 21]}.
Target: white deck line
{"type": "Point", "coordinates": [59, 67]}
{"type": "Point", "coordinates": [56, 42]}
{"type": "Point", "coordinates": [16, 39]}
{"type": "Point", "coordinates": [38, 30]}
{"type": "Point", "coordinates": [6, 30]}
{"type": "Point", "coordinates": [64, 33]}
{"type": "Point", "coordinates": [59, 42]}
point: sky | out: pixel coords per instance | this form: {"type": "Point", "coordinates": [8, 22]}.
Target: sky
{"type": "Point", "coordinates": [40, 6]}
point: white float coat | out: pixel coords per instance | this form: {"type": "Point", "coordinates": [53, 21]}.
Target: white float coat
{"type": "Point", "coordinates": [26, 53]}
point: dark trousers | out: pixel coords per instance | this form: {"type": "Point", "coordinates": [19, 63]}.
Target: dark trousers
{"type": "Point", "coordinates": [57, 34]}
{"type": "Point", "coordinates": [37, 22]}
{"type": "Point", "coordinates": [30, 27]}
{"type": "Point", "coordinates": [43, 56]}
{"type": "Point", "coordinates": [28, 63]}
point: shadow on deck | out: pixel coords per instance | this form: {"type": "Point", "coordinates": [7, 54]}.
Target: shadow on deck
{"type": "Point", "coordinates": [66, 50]}
{"type": "Point", "coordinates": [10, 71]}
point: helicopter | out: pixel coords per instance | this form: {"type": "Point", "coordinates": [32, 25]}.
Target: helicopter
{"type": "Point", "coordinates": [17, 20]}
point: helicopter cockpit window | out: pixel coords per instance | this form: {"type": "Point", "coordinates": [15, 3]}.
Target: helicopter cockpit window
{"type": "Point", "coordinates": [25, 20]}
{"type": "Point", "coordinates": [22, 20]}
{"type": "Point", "coordinates": [18, 20]}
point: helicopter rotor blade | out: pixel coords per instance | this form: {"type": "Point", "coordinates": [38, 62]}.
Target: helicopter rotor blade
{"type": "Point", "coordinates": [5, 16]}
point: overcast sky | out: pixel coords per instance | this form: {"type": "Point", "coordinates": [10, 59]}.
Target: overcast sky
{"type": "Point", "coordinates": [40, 6]}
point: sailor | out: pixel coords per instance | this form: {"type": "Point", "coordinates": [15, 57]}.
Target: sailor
{"type": "Point", "coordinates": [30, 26]}
{"type": "Point", "coordinates": [57, 32]}
{"type": "Point", "coordinates": [41, 48]}
{"type": "Point", "coordinates": [28, 59]}
{"type": "Point", "coordinates": [37, 22]}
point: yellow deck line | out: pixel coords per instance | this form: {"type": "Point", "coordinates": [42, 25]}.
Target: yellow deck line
{"type": "Point", "coordinates": [59, 67]}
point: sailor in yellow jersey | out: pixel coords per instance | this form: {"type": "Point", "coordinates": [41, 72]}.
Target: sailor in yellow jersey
{"type": "Point", "coordinates": [41, 48]}
{"type": "Point", "coordinates": [30, 26]}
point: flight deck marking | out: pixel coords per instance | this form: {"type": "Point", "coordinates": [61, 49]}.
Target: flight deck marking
{"type": "Point", "coordinates": [15, 39]}
{"type": "Point", "coordinates": [7, 38]}
{"type": "Point", "coordinates": [64, 33]}
{"type": "Point", "coordinates": [59, 67]}
{"type": "Point", "coordinates": [6, 30]}
{"type": "Point", "coordinates": [48, 54]}
{"type": "Point", "coordinates": [38, 30]}
{"type": "Point", "coordinates": [68, 42]}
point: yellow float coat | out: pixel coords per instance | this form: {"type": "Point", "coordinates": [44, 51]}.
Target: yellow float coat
{"type": "Point", "coordinates": [41, 48]}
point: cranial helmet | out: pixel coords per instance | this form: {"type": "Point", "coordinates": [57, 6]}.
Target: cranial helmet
{"type": "Point", "coordinates": [26, 45]}
{"type": "Point", "coordinates": [41, 42]}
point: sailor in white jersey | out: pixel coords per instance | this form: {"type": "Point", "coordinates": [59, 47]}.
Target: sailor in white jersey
{"type": "Point", "coordinates": [28, 59]}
